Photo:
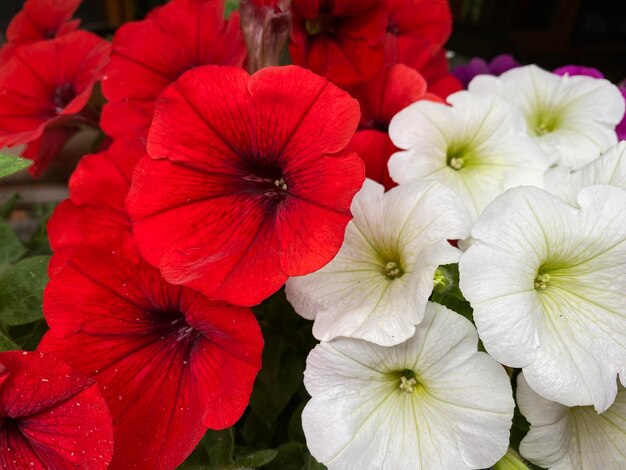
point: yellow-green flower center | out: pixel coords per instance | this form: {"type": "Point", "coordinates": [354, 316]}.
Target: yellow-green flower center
{"type": "Point", "coordinates": [408, 385]}
{"type": "Point", "coordinates": [541, 281]}
{"type": "Point", "coordinates": [393, 270]}
{"type": "Point", "coordinates": [406, 381]}
{"type": "Point", "coordinates": [544, 121]}
{"type": "Point", "coordinates": [459, 156]}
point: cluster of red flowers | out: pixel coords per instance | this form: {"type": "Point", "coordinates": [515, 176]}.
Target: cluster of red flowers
{"type": "Point", "coordinates": [216, 187]}
{"type": "Point", "coordinates": [385, 53]}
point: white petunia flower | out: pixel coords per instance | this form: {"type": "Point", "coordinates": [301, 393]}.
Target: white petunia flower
{"type": "Point", "coordinates": [572, 117]}
{"type": "Point", "coordinates": [433, 402]}
{"type": "Point", "coordinates": [577, 438]}
{"type": "Point", "coordinates": [377, 286]}
{"type": "Point", "coordinates": [546, 282]}
{"type": "Point", "coordinates": [610, 169]}
{"type": "Point", "coordinates": [478, 147]}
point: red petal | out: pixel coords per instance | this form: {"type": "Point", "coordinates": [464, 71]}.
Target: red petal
{"type": "Point", "coordinates": [391, 90]}
{"type": "Point", "coordinates": [322, 121]}
{"type": "Point", "coordinates": [375, 148]}
{"type": "Point", "coordinates": [127, 121]}
{"type": "Point", "coordinates": [44, 150]}
{"type": "Point", "coordinates": [58, 419]}
{"type": "Point", "coordinates": [96, 213]}
{"type": "Point", "coordinates": [103, 179]}
{"type": "Point", "coordinates": [219, 240]}
{"type": "Point", "coordinates": [351, 50]}
{"type": "Point", "coordinates": [440, 81]}
{"type": "Point", "coordinates": [42, 19]}
{"type": "Point", "coordinates": [212, 119]}
{"type": "Point", "coordinates": [148, 55]}
{"type": "Point", "coordinates": [445, 86]}
{"type": "Point", "coordinates": [420, 27]}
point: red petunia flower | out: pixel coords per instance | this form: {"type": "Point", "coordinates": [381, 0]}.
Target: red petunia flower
{"type": "Point", "coordinates": [45, 85]}
{"type": "Point", "coordinates": [39, 20]}
{"type": "Point", "coordinates": [339, 39]}
{"type": "Point", "coordinates": [95, 211]}
{"type": "Point", "coordinates": [170, 363]}
{"type": "Point", "coordinates": [391, 90]}
{"type": "Point", "coordinates": [149, 55]}
{"type": "Point", "coordinates": [440, 81]}
{"type": "Point", "coordinates": [127, 120]}
{"type": "Point", "coordinates": [416, 30]}
{"type": "Point", "coordinates": [416, 33]}
{"type": "Point", "coordinates": [50, 416]}
{"type": "Point", "coordinates": [248, 183]}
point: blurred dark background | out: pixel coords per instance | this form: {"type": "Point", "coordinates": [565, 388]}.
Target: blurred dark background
{"type": "Point", "coordinates": [547, 32]}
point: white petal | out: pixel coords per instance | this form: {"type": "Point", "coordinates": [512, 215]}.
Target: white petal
{"type": "Point", "coordinates": [609, 168]}
{"type": "Point", "coordinates": [478, 147]}
{"type": "Point", "coordinates": [570, 338]}
{"type": "Point", "coordinates": [566, 438]}
{"type": "Point", "coordinates": [550, 434]}
{"type": "Point", "coordinates": [458, 417]}
{"type": "Point", "coordinates": [353, 296]}
{"type": "Point", "coordinates": [580, 113]}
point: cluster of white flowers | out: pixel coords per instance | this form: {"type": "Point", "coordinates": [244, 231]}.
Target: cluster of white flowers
{"type": "Point", "coordinates": [525, 172]}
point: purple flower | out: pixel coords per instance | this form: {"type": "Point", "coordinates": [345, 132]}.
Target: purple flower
{"type": "Point", "coordinates": [578, 70]}
{"type": "Point", "coordinates": [621, 127]}
{"type": "Point", "coordinates": [477, 66]}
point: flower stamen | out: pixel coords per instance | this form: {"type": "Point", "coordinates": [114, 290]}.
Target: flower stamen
{"type": "Point", "coordinates": [541, 281]}
{"type": "Point", "coordinates": [408, 385]}
{"type": "Point", "coordinates": [392, 270]}
{"type": "Point", "coordinates": [280, 183]}
{"type": "Point", "coordinates": [456, 163]}
{"type": "Point", "coordinates": [542, 129]}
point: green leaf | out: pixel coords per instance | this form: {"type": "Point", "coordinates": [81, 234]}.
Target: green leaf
{"type": "Point", "coordinates": [294, 456]}
{"type": "Point", "coordinates": [219, 447]}
{"type": "Point", "coordinates": [268, 402]}
{"type": "Point", "coordinates": [39, 244]}
{"type": "Point", "coordinates": [21, 291]}
{"type": "Point", "coordinates": [229, 7]}
{"type": "Point", "coordinates": [513, 461]}
{"type": "Point", "coordinates": [294, 428]}
{"type": "Point", "coordinates": [7, 206]}
{"type": "Point", "coordinates": [6, 344]}
{"type": "Point", "coordinates": [446, 291]}
{"type": "Point", "coordinates": [215, 451]}
{"type": "Point", "coordinates": [256, 432]}
{"type": "Point", "coordinates": [28, 336]}
{"type": "Point", "coordinates": [11, 248]}
{"type": "Point", "coordinates": [256, 459]}
{"type": "Point", "coordinates": [10, 164]}
{"type": "Point", "coordinates": [274, 347]}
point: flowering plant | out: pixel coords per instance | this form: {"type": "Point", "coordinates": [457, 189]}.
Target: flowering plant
{"type": "Point", "coordinates": [303, 243]}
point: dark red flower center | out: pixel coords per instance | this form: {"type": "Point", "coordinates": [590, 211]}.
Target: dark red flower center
{"type": "Point", "coordinates": [173, 325]}
{"type": "Point", "coordinates": [266, 180]}
{"type": "Point", "coordinates": [63, 95]}
{"type": "Point", "coordinates": [393, 28]}
{"type": "Point", "coordinates": [9, 426]}
{"type": "Point", "coordinates": [325, 23]}
{"type": "Point", "coordinates": [377, 124]}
